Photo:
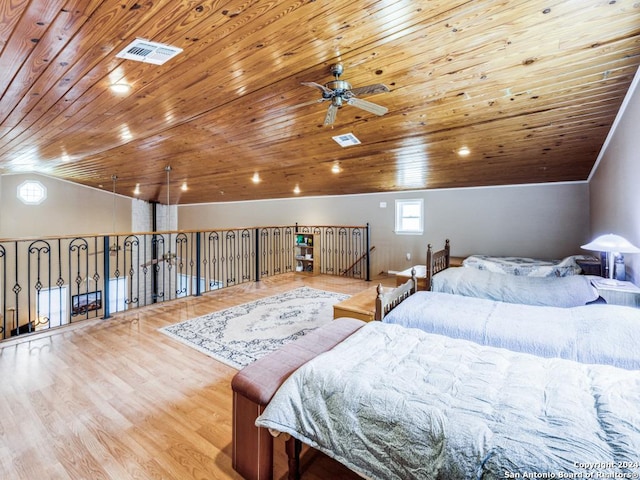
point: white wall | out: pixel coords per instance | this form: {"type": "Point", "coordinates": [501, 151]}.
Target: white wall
{"type": "Point", "coordinates": [536, 220]}
{"type": "Point", "coordinates": [69, 209]}
{"type": "Point", "coordinates": [72, 209]}
{"type": "Point", "coordinates": [615, 184]}
{"type": "Point", "coordinates": [548, 221]}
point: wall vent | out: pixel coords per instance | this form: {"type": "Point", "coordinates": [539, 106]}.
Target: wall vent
{"type": "Point", "coordinates": [149, 52]}
{"type": "Point", "coordinates": [346, 140]}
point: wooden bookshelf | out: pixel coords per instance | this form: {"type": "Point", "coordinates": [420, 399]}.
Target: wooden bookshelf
{"type": "Point", "coordinates": [307, 253]}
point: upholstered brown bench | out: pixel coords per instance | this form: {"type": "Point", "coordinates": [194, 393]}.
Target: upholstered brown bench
{"type": "Point", "coordinates": [254, 386]}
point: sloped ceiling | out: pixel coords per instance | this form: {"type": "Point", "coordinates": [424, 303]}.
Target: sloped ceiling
{"type": "Point", "coordinates": [531, 88]}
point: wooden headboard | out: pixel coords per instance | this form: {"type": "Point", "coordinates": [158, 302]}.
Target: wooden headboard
{"type": "Point", "coordinates": [437, 261]}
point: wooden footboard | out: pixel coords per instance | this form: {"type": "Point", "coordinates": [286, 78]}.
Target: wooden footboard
{"type": "Point", "coordinates": [387, 300]}
{"type": "Point", "coordinates": [437, 261]}
{"type": "Point", "coordinates": [254, 386]}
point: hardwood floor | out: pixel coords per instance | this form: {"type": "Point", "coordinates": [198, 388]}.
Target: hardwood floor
{"type": "Point", "coordinates": [116, 399]}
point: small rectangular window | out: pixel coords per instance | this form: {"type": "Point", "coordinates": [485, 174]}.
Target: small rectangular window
{"type": "Point", "coordinates": [409, 217]}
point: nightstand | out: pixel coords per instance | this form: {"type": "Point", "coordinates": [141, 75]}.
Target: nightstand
{"type": "Point", "coordinates": [617, 292]}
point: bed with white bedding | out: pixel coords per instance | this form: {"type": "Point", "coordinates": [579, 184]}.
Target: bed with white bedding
{"type": "Point", "coordinates": [489, 280]}
{"type": "Point", "coordinates": [397, 403]}
{"type": "Point", "coordinates": [570, 291]}
{"type": "Point", "coordinates": [525, 266]}
{"type": "Point", "coordinates": [599, 333]}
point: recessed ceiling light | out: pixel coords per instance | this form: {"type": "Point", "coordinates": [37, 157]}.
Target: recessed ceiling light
{"type": "Point", "coordinates": [464, 151]}
{"type": "Point", "coordinates": [136, 191]}
{"type": "Point", "coordinates": [256, 178]}
{"type": "Point", "coordinates": [184, 187]}
{"type": "Point", "coordinates": [120, 87]}
{"type": "Point", "coordinates": [336, 168]}
{"type": "Point", "coordinates": [296, 190]}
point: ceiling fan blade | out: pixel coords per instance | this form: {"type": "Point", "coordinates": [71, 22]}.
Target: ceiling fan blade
{"type": "Point", "coordinates": [331, 115]}
{"type": "Point", "coordinates": [312, 102]}
{"type": "Point", "coordinates": [370, 89]}
{"type": "Point", "coordinates": [322, 88]}
{"type": "Point", "coordinates": [368, 106]}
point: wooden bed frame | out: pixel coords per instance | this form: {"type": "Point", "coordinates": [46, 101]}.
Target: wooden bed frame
{"type": "Point", "coordinates": [387, 299]}
{"type": "Point", "coordinates": [436, 262]}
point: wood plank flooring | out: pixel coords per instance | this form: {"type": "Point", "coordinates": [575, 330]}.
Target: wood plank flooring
{"type": "Point", "coordinates": [116, 399]}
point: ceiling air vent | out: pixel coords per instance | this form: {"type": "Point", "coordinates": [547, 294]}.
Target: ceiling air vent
{"type": "Point", "coordinates": [346, 140]}
{"type": "Point", "coordinates": [149, 52]}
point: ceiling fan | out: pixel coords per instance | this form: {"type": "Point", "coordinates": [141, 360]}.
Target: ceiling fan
{"type": "Point", "coordinates": [339, 93]}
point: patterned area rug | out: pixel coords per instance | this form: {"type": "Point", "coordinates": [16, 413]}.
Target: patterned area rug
{"type": "Point", "coordinates": [240, 335]}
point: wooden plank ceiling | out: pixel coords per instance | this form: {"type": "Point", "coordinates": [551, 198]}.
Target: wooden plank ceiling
{"type": "Point", "coordinates": [530, 87]}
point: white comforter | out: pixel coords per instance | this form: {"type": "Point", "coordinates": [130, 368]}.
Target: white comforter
{"type": "Point", "coordinates": [530, 267]}
{"type": "Point", "coordinates": [398, 403]}
{"type": "Point", "coordinates": [570, 291]}
{"type": "Point", "coordinates": [599, 333]}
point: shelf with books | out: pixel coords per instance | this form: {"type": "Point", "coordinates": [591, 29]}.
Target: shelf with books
{"type": "Point", "coordinates": [307, 253]}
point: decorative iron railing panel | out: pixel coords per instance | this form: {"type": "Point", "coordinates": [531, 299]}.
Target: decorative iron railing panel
{"type": "Point", "coordinates": [344, 250]}
{"type": "Point", "coordinates": [52, 282]}
{"type": "Point", "coordinates": [275, 250]}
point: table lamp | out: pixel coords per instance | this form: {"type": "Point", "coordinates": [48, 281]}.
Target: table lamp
{"type": "Point", "coordinates": [611, 244]}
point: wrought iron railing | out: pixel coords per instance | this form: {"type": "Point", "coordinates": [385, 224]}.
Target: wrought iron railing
{"type": "Point", "coordinates": [54, 281]}
{"type": "Point", "coordinates": [342, 249]}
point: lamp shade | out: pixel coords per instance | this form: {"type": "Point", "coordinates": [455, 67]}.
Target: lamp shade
{"type": "Point", "coordinates": [611, 243]}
